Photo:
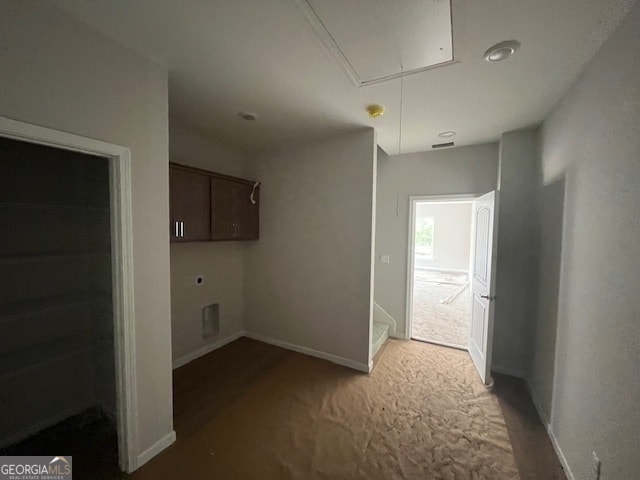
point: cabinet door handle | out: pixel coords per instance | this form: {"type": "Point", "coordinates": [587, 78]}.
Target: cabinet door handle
{"type": "Point", "coordinates": [175, 229]}
{"type": "Point", "coordinates": [182, 229]}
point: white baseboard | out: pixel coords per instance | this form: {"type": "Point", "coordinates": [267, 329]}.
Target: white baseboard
{"type": "Point", "coordinates": [189, 357]}
{"type": "Point", "coordinates": [347, 362]}
{"type": "Point", "coordinates": [559, 452]}
{"type": "Point", "coordinates": [155, 449]}
{"type": "Point", "coordinates": [549, 429]}
{"type": "Point", "coordinates": [512, 372]}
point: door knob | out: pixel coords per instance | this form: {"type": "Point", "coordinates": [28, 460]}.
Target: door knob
{"type": "Point", "coordinates": [487, 297]}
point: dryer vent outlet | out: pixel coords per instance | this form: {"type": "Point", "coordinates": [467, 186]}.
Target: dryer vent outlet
{"type": "Point", "coordinates": [210, 320]}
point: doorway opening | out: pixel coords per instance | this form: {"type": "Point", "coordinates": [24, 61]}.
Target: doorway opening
{"type": "Point", "coordinates": [67, 375]}
{"type": "Point", "coordinates": [56, 315]}
{"type": "Point", "coordinates": [480, 273]}
{"type": "Point", "coordinates": [441, 257]}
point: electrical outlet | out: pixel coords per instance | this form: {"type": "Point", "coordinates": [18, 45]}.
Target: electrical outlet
{"type": "Point", "coordinates": [595, 467]}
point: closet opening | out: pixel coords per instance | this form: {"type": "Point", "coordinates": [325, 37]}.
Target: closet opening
{"type": "Point", "coordinates": [64, 380]}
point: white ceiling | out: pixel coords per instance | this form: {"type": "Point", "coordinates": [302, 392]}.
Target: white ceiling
{"type": "Point", "coordinates": [406, 37]}
{"type": "Point", "coordinates": [265, 57]}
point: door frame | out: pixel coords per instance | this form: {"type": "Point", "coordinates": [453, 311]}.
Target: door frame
{"type": "Point", "coordinates": [413, 200]}
{"type": "Point", "coordinates": [120, 204]}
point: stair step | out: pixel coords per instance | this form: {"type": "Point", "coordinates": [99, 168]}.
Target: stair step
{"type": "Point", "coordinates": [379, 336]}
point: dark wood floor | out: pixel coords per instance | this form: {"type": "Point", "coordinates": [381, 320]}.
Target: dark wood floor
{"type": "Point", "coordinates": [206, 385]}
{"type": "Point", "coordinates": [209, 384]}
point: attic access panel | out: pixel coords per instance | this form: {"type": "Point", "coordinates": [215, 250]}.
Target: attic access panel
{"type": "Point", "coordinates": [379, 40]}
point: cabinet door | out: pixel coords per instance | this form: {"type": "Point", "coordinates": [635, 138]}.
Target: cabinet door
{"type": "Point", "coordinates": [233, 215]}
{"type": "Point", "coordinates": [190, 206]}
{"type": "Point", "coordinates": [223, 215]}
{"type": "Point", "coordinates": [249, 221]}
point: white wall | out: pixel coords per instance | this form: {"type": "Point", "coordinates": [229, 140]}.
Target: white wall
{"type": "Point", "coordinates": [591, 144]}
{"type": "Point", "coordinates": [58, 73]}
{"type": "Point", "coordinates": [516, 252]}
{"type": "Point", "coordinates": [465, 170]}
{"type": "Point", "coordinates": [452, 234]}
{"type": "Point", "coordinates": [307, 280]}
{"type": "Point", "coordinates": [221, 263]}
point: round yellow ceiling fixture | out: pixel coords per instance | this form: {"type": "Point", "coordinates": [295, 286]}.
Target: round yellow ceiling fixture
{"type": "Point", "coordinates": [374, 110]}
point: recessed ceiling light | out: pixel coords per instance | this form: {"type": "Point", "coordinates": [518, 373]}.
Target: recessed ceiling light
{"type": "Point", "coordinates": [447, 134]}
{"type": "Point", "coordinates": [501, 51]}
{"type": "Point", "coordinates": [250, 117]}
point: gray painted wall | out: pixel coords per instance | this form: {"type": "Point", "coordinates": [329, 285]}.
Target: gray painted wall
{"type": "Point", "coordinates": [465, 170]}
{"type": "Point", "coordinates": [516, 242]}
{"type": "Point", "coordinates": [590, 162]}
{"type": "Point", "coordinates": [546, 276]}
{"type": "Point", "coordinates": [66, 76]}
{"type": "Point", "coordinates": [221, 263]}
{"type": "Point", "coordinates": [307, 280]}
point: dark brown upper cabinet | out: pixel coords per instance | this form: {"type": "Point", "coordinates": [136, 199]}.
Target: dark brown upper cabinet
{"type": "Point", "coordinates": [190, 206]}
{"type": "Point", "coordinates": [209, 206]}
{"type": "Point", "coordinates": [234, 209]}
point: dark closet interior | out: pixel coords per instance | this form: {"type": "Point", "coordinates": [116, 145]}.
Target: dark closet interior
{"type": "Point", "coordinates": [57, 374]}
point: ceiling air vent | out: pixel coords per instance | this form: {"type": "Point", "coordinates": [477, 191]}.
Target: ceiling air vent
{"type": "Point", "coordinates": [442, 145]}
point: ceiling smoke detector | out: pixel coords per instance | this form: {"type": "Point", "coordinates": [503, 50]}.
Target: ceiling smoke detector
{"type": "Point", "coordinates": [374, 110]}
{"type": "Point", "coordinates": [501, 51]}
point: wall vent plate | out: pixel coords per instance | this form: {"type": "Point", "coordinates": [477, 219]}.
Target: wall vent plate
{"type": "Point", "coordinates": [210, 320]}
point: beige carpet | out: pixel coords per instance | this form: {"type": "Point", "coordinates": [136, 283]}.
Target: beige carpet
{"type": "Point", "coordinates": [421, 414]}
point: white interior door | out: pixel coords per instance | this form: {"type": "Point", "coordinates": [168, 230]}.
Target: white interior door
{"type": "Point", "coordinates": [483, 285]}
